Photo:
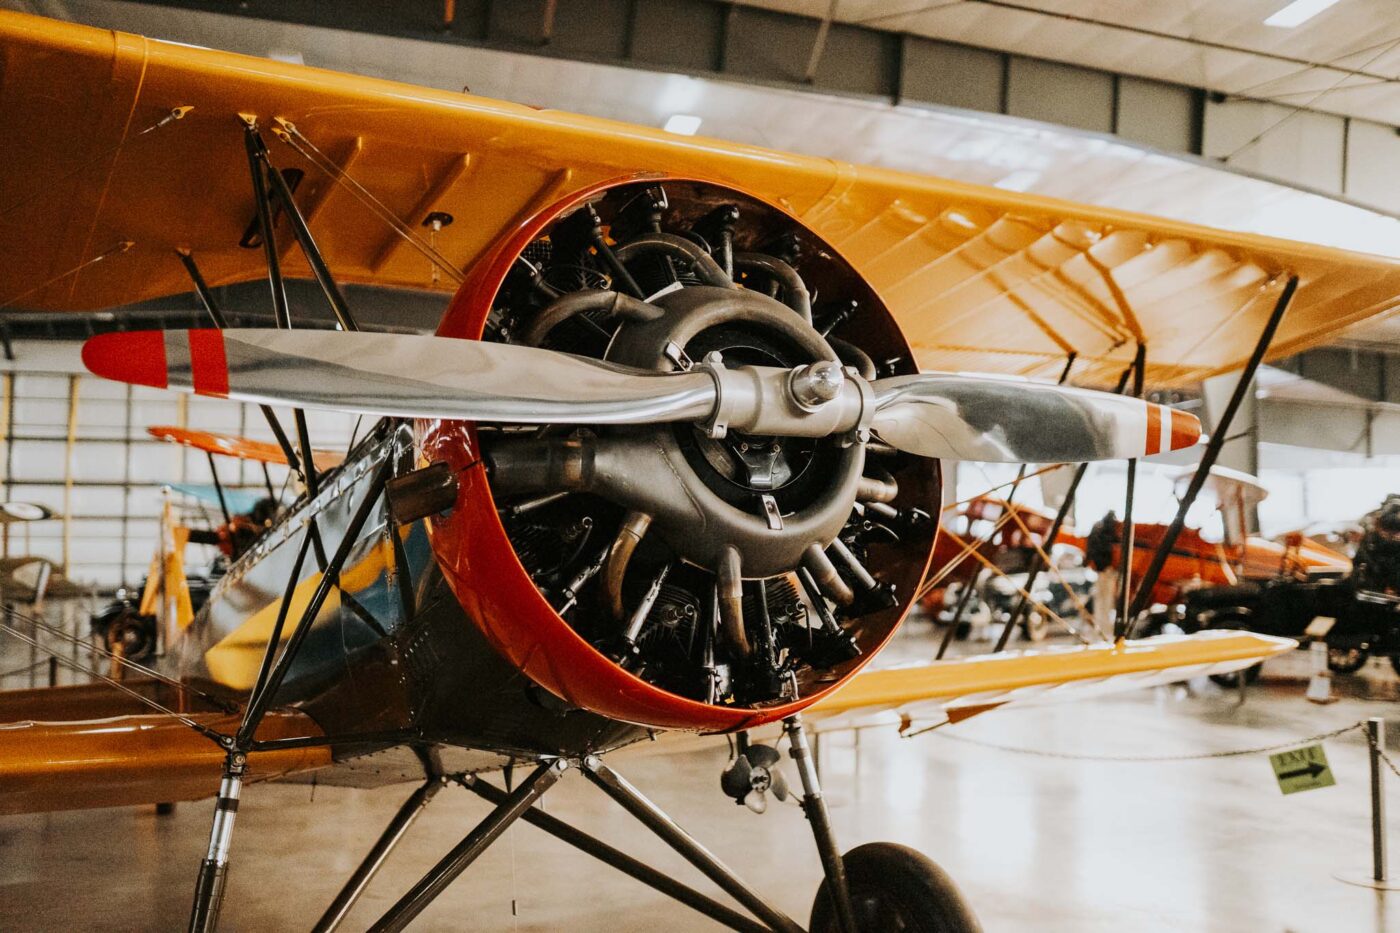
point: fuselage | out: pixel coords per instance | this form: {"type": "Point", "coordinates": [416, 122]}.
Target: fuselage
{"type": "Point", "coordinates": [392, 657]}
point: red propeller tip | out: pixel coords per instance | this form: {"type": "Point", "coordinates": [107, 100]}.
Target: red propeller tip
{"type": "Point", "coordinates": [135, 357]}
{"type": "Point", "coordinates": [1169, 429]}
{"type": "Point", "coordinates": [1186, 429]}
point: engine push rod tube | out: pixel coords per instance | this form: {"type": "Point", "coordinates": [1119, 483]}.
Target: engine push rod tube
{"type": "Point", "coordinates": [610, 259]}
{"type": "Point", "coordinates": [655, 819]}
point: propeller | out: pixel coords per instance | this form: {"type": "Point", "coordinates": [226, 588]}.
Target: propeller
{"type": "Point", "coordinates": [955, 416]}
{"type": "Point", "coordinates": [752, 774]}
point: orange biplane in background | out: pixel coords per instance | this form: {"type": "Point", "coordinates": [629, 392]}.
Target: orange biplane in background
{"type": "Point", "coordinates": [626, 488]}
{"type": "Point", "coordinates": [1197, 562]}
{"type": "Point", "coordinates": [987, 550]}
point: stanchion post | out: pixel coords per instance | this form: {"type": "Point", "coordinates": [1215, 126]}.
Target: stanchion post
{"type": "Point", "coordinates": [1375, 737]}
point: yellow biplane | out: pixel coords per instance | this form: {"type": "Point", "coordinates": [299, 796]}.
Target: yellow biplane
{"type": "Point", "coordinates": [657, 471]}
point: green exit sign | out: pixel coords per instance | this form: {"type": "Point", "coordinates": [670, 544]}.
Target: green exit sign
{"type": "Point", "coordinates": [1303, 768]}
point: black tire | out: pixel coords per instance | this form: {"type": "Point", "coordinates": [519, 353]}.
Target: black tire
{"type": "Point", "coordinates": [1346, 660]}
{"type": "Point", "coordinates": [1250, 675]}
{"type": "Point", "coordinates": [1395, 664]}
{"type": "Point", "coordinates": [896, 888]}
{"type": "Point", "coordinates": [1233, 620]}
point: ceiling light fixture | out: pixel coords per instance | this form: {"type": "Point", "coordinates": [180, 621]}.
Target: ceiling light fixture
{"type": "Point", "coordinates": [1298, 12]}
{"type": "Point", "coordinates": [682, 124]}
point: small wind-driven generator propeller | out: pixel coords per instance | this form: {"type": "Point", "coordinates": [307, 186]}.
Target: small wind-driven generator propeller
{"type": "Point", "coordinates": [752, 774]}
{"type": "Point", "coordinates": [953, 416]}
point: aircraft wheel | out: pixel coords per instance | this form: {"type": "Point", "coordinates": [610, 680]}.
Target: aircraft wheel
{"type": "Point", "coordinates": [1250, 675]}
{"type": "Point", "coordinates": [1346, 660]}
{"type": "Point", "coordinates": [894, 887]}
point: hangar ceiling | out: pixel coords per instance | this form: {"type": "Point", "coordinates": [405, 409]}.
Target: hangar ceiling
{"type": "Point", "coordinates": [1345, 60]}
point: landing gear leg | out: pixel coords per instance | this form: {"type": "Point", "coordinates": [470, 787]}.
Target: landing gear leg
{"type": "Point", "coordinates": [403, 819]}
{"type": "Point", "coordinates": [209, 889]}
{"type": "Point", "coordinates": [814, 806]}
{"type": "Point", "coordinates": [516, 803]}
{"type": "Point", "coordinates": [655, 819]}
{"type": "Point", "coordinates": [878, 886]}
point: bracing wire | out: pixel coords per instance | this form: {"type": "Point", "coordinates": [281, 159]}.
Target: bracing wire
{"type": "Point", "coordinates": [58, 633]}
{"type": "Point", "coordinates": [288, 133]}
{"type": "Point", "coordinates": [217, 737]}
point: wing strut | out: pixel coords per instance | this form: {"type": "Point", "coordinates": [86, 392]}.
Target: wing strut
{"type": "Point", "coordinates": [1218, 434]}
{"type": "Point", "coordinates": [1120, 628]}
{"type": "Point", "coordinates": [257, 163]}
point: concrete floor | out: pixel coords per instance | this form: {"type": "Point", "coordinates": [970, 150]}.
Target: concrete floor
{"type": "Point", "coordinates": [1037, 843]}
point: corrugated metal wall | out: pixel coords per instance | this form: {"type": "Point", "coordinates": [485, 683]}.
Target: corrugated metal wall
{"type": "Point", "coordinates": [108, 481]}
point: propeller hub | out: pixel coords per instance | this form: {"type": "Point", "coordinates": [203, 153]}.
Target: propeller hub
{"type": "Point", "coordinates": [815, 384]}
{"type": "Point", "coordinates": [768, 496]}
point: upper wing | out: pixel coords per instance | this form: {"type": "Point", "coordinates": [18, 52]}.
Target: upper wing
{"type": "Point", "coordinates": [99, 190]}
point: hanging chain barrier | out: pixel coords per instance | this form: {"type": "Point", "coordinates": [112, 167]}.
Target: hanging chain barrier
{"type": "Point", "coordinates": [16, 671]}
{"type": "Point", "coordinates": [1375, 747]}
{"type": "Point", "coordinates": [1147, 759]}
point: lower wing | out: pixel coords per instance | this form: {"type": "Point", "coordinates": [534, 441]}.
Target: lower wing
{"type": "Point", "coordinates": [963, 687]}
{"type": "Point", "coordinates": [71, 748]}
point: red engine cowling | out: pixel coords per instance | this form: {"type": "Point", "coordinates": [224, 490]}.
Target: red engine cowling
{"type": "Point", "coordinates": [665, 575]}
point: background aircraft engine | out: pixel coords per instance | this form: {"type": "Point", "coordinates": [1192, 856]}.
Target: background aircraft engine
{"type": "Point", "coordinates": [678, 575]}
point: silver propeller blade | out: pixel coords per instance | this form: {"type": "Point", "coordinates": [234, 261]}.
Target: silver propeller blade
{"type": "Point", "coordinates": [949, 416]}
{"type": "Point", "coordinates": [400, 375]}
{"type": "Point", "coordinates": [973, 417]}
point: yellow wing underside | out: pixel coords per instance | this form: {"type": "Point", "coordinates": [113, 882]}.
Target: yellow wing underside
{"type": "Point", "coordinates": [965, 686]}
{"type": "Point", "coordinates": [95, 202]}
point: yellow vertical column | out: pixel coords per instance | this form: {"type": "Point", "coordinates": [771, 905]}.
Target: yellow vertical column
{"type": "Point", "coordinates": [7, 396]}
{"type": "Point", "coordinates": [72, 441]}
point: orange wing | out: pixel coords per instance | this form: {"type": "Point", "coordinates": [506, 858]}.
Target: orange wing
{"type": "Point", "coordinates": [231, 445]}
{"type": "Point", "coordinates": [102, 186]}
